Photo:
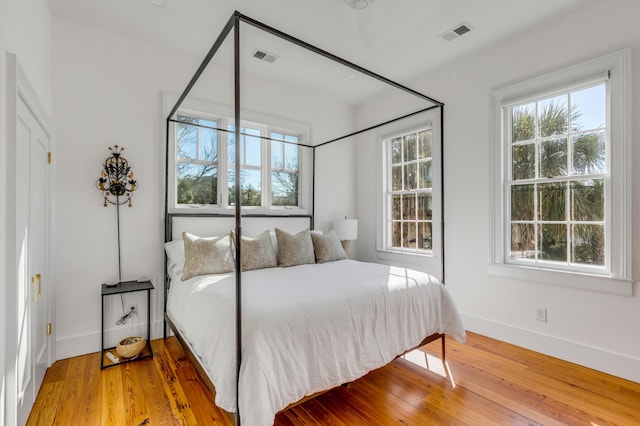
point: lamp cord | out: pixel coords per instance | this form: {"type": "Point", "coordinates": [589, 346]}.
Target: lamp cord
{"type": "Point", "coordinates": [118, 226]}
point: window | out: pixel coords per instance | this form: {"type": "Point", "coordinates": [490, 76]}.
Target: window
{"type": "Point", "coordinates": [561, 181]}
{"type": "Point", "coordinates": [557, 174]}
{"type": "Point", "coordinates": [274, 168]}
{"type": "Point", "coordinates": [409, 192]}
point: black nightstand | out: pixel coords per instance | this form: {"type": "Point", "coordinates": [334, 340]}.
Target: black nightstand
{"type": "Point", "coordinates": [127, 287]}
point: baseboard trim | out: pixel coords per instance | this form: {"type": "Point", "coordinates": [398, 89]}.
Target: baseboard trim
{"type": "Point", "coordinates": [89, 343]}
{"type": "Point", "coordinates": [616, 364]}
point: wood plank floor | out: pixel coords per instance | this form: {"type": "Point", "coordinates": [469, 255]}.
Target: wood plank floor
{"type": "Point", "coordinates": [484, 382]}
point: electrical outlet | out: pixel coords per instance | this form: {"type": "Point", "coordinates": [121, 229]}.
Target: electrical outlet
{"type": "Point", "coordinates": [133, 309]}
{"type": "Point", "coordinates": [541, 314]}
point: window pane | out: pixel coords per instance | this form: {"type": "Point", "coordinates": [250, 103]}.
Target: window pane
{"type": "Point", "coordinates": [186, 141]}
{"type": "Point", "coordinates": [410, 174]}
{"type": "Point", "coordinates": [396, 150]}
{"type": "Point", "coordinates": [523, 123]}
{"type": "Point", "coordinates": [410, 147]}
{"type": "Point", "coordinates": [396, 207]}
{"type": "Point", "coordinates": [231, 146]}
{"type": "Point", "coordinates": [396, 234]}
{"type": "Point", "coordinates": [424, 236]}
{"type": "Point", "coordinates": [197, 184]}
{"type": "Point", "coordinates": [291, 138]}
{"type": "Point", "coordinates": [523, 161]}
{"type": "Point", "coordinates": [396, 177]}
{"type": "Point", "coordinates": [522, 202]}
{"type": "Point", "coordinates": [553, 242]}
{"type": "Point", "coordinates": [553, 158]}
{"type": "Point", "coordinates": [409, 207]}
{"type": "Point", "coordinates": [551, 201]}
{"type": "Point", "coordinates": [252, 150]}
{"type": "Point", "coordinates": [426, 178]}
{"type": "Point", "coordinates": [208, 145]}
{"type": "Point", "coordinates": [523, 240]}
{"type": "Point", "coordinates": [424, 207]}
{"type": "Point", "coordinates": [232, 186]}
{"type": "Point", "coordinates": [589, 153]}
{"type": "Point", "coordinates": [587, 200]}
{"type": "Point", "coordinates": [424, 144]}
{"type": "Point", "coordinates": [284, 189]}
{"type": "Point", "coordinates": [553, 116]}
{"type": "Point", "coordinates": [250, 187]}
{"type": "Point", "coordinates": [409, 235]}
{"type": "Point", "coordinates": [588, 244]}
{"type": "Point", "coordinates": [590, 108]}
{"type": "Point", "coordinates": [278, 136]}
{"type": "Point", "coordinates": [291, 156]}
{"type": "Point", "coordinates": [277, 155]}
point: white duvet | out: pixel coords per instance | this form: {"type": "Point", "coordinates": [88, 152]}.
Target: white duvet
{"type": "Point", "coordinates": [306, 328]}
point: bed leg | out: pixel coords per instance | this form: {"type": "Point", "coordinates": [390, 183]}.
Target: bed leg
{"type": "Point", "coordinates": [443, 349]}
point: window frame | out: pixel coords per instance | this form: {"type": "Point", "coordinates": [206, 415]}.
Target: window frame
{"type": "Point", "coordinates": [223, 116]}
{"type": "Point", "coordinates": [615, 277]}
{"type": "Point", "coordinates": [389, 191]}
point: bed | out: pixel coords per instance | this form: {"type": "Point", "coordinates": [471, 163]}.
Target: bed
{"type": "Point", "coordinates": [266, 338]}
{"type": "Point", "coordinates": [306, 328]}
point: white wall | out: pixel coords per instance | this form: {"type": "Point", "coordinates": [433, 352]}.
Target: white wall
{"type": "Point", "coordinates": [25, 29]}
{"type": "Point", "coordinates": [593, 329]}
{"type": "Point", "coordinates": [108, 90]}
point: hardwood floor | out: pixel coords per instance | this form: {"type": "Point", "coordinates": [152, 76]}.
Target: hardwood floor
{"type": "Point", "coordinates": [484, 382]}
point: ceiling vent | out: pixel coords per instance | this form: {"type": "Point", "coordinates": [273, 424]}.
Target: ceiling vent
{"type": "Point", "coordinates": [456, 32]}
{"type": "Point", "coordinates": [265, 56]}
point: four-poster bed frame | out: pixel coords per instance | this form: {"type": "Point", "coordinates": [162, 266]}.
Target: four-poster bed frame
{"type": "Point", "coordinates": [233, 24]}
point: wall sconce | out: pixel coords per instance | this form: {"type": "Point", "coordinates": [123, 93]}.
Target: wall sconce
{"type": "Point", "coordinates": [117, 185]}
{"type": "Point", "coordinates": [116, 179]}
{"type": "Point", "coordinates": [346, 230]}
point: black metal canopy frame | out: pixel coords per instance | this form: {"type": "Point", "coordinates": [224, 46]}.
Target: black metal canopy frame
{"type": "Point", "coordinates": [234, 24]}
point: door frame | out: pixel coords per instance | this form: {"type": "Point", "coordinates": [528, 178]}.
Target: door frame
{"type": "Point", "coordinates": [19, 87]}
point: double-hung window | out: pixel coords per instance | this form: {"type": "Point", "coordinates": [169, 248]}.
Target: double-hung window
{"type": "Point", "coordinates": [274, 168]}
{"type": "Point", "coordinates": [409, 192]}
{"type": "Point", "coordinates": [561, 176]}
{"type": "Point", "coordinates": [410, 223]}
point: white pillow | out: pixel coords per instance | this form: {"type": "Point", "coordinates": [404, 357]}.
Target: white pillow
{"type": "Point", "coordinates": [175, 258]}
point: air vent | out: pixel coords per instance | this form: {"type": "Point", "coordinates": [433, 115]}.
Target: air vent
{"type": "Point", "coordinates": [456, 32]}
{"type": "Point", "coordinates": [265, 56]}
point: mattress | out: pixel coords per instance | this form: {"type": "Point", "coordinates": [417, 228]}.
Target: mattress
{"type": "Point", "coordinates": [306, 328]}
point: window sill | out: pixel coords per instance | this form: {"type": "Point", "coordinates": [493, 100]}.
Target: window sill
{"type": "Point", "coordinates": [581, 281]}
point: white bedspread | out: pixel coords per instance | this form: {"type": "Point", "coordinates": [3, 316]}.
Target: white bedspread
{"type": "Point", "coordinates": [307, 328]}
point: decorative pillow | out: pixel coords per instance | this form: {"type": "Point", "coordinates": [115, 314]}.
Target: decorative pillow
{"type": "Point", "coordinates": [206, 255]}
{"type": "Point", "coordinates": [257, 253]}
{"type": "Point", "coordinates": [295, 249]}
{"type": "Point", "coordinates": [175, 257]}
{"type": "Point", "coordinates": [328, 247]}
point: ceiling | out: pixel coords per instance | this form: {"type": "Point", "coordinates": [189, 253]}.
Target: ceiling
{"type": "Point", "coordinates": [398, 39]}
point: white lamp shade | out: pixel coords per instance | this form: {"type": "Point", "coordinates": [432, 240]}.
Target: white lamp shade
{"type": "Point", "coordinates": [346, 229]}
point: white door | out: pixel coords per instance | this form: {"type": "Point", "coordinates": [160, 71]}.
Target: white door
{"type": "Point", "coordinates": [32, 228]}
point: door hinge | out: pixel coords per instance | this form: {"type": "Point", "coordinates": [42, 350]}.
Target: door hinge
{"type": "Point", "coordinates": [49, 157]}
{"type": "Point", "coordinates": [48, 329]}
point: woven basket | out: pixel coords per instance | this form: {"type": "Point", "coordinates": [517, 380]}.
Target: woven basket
{"type": "Point", "coordinates": [131, 346]}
